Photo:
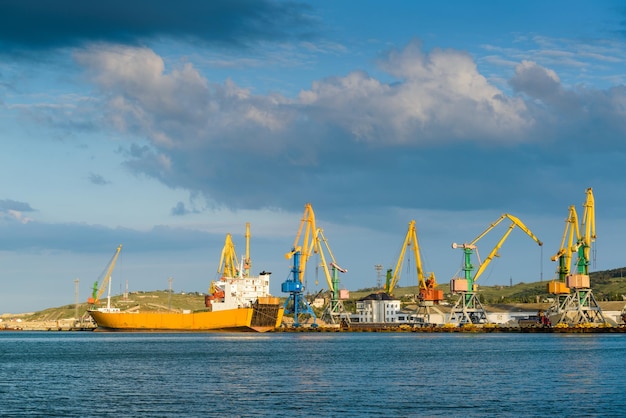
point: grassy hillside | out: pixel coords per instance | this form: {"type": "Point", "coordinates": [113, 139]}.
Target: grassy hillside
{"type": "Point", "coordinates": [153, 300]}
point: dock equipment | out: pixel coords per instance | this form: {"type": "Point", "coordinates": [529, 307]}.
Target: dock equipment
{"type": "Point", "coordinates": [335, 313]}
{"type": "Point", "coordinates": [429, 294]}
{"type": "Point", "coordinates": [98, 290]}
{"type": "Point", "coordinates": [296, 303]}
{"type": "Point", "coordinates": [468, 309]}
{"type": "Point", "coordinates": [574, 302]}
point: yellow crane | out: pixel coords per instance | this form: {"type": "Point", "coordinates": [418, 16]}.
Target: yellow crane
{"type": "Point", "coordinates": [296, 303]}
{"type": "Point", "coordinates": [579, 307]}
{"type": "Point", "coordinates": [588, 229]}
{"type": "Point", "coordinates": [98, 291]}
{"type": "Point", "coordinates": [569, 245]}
{"type": "Point", "coordinates": [228, 266]}
{"type": "Point", "coordinates": [247, 263]}
{"type": "Point", "coordinates": [468, 308]}
{"type": "Point", "coordinates": [428, 292]}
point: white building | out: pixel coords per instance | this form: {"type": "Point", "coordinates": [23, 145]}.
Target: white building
{"type": "Point", "coordinates": [379, 308]}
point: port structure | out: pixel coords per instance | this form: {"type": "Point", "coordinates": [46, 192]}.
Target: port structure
{"type": "Point", "coordinates": [334, 313]}
{"type": "Point", "coordinates": [429, 295]}
{"type": "Point", "coordinates": [468, 309]}
{"type": "Point", "coordinates": [296, 302]}
{"type": "Point", "coordinates": [574, 302]}
{"type": "Point", "coordinates": [105, 283]}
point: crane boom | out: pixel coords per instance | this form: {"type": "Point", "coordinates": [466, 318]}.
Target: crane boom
{"type": "Point", "coordinates": [471, 246]}
{"type": "Point", "coordinates": [99, 291]}
{"type": "Point", "coordinates": [569, 245]}
{"type": "Point", "coordinates": [589, 234]}
{"type": "Point", "coordinates": [515, 222]}
{"type": "Point", "coordinates": [319, 239]}
{"type": "Point", "coordinates": [308, 226]}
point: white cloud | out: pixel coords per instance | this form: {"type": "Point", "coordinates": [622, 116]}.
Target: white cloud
{"type": "Point", "coordinates": [220, 138]}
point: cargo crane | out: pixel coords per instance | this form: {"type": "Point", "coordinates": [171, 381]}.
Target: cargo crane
{"type": "Point", "coordinates": [296, 303]}
{"type": "Point", "coordinates": [98, 291]}
{"type": "Point", "coordinates": [579, 306]}
{"type": "Point", "coordinates": [468, 308]}
{"type": "Point", "coordinates": [228, 268]}
{"type": "Point", "coordinates": [429, 295]}
{"type": "Point", "coordinates": [335, 312]}
{"type": "Point", "coordinates": [229, 264]}
{"type": "Point", "coordinates": [235, 287]}
{"type": "Point", "coordinates": [558, 288]}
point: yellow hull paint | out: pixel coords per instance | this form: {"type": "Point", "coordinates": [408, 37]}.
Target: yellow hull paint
{"type": "Point", "coordinates": [227, 320]}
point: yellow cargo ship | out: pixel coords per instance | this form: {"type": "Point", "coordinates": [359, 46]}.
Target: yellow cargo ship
{"type": "Point", "coordinates": [264, 315]}
{"type": "Point", "coordinates": [236, 302]}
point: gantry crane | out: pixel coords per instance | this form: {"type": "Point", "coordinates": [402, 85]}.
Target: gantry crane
{"type": "Point", "coordinates": [296, 303]}
{"type": "Point", "coordinates": [98, 291]}
{"type": "Point", "coordinates": [429, 294]}
{"type": "Point", "coordinates": [580, 306]}
{"type": "Point", "coordinates": [335, 312]}
{"type": "Point", "coordinates": [468, 308]}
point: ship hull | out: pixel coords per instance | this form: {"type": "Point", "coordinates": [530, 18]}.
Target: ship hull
{"type": "Point", "coordinates": [260, 318]}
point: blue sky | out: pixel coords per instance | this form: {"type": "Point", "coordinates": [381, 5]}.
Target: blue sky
{"type": "Point", "coordinates": [163, 129]}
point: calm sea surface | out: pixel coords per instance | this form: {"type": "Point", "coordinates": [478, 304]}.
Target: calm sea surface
{"type": "Point", "coordinates": [311, 374]}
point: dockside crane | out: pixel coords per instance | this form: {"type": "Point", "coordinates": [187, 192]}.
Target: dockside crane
{"type": "Point", "coordinates": [98, 290]}
{"type": "Point", "coordinates": [569, 245]}
{"type": "Point", "coordinates": [579, 306]}
{"type": "Point", "coordinates": [229, 263]}
{"type": "Point", "coordinates": [429, 295]}
{"type": "Point", "coordinates": [335, 312]}
{"type": "Point", "coordinates": [296, 303]}
{"type": "Point", "coordinates": [228, 268]}
{"type": "Point", "coordinates": [468, 308]}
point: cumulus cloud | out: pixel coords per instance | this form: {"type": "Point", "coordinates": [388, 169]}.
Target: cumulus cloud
{"type": "Point", "coordinates": [352, 131]}
{"type": "Point", "coordinates": [574, 112]}
{"type": "Point", "coordinates": [440, 96]}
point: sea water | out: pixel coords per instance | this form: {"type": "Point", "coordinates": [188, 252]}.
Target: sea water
{"type": "Point", "coordinates": [84, 374]}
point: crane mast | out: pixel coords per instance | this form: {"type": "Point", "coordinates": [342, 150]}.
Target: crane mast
{"type": "Point", "coordinates": [296, 303]}
{"type": "Point", "coordinates": [468, 308]}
